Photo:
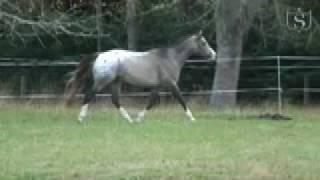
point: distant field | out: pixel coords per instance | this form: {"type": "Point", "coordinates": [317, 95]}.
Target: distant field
{"type": "Point", "coordinates": [41, 142]}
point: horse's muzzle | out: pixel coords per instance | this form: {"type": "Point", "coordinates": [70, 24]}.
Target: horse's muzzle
{"type": "Point", "coordinates": [213, 55]}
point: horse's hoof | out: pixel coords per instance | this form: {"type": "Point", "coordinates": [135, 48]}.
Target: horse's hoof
{"type": "Point", "coordinates": [139, 119]}
{"type": "Point", "coordinates": [141, 116]}
{"type": "Point", "coordinates": [130, 121]}
{"type": "Point", "coordinates": [189, 114]}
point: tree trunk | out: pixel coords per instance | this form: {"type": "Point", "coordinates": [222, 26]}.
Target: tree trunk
{"type": "Point", "coordinates": [233, 18]}
{"type": "Point", "coordinates": [132, 24]}
{"type": "Point", "coordinates": [98, 24]}
{"type": "Point", "coordinates": [187, 5]}
{"type": "Point", "coordinates": [229, 34]}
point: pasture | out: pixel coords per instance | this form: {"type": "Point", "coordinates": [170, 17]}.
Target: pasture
{"type": "Point", "coordinates": [41, 142]}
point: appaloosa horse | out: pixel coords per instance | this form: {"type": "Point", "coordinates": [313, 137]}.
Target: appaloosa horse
{"type": "Point", "coordinates": [156, 69]}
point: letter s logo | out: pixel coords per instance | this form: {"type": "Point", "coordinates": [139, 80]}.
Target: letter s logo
{"type": "Point", "coordinates": [299, 21]}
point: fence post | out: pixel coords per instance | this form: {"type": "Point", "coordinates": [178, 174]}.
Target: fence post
{"type": "Point", "coordinates": [22, 85]}
{"type": "Point", "coordinates": [306, 91]}
{"type": "Point", "coordinates": [279, 86]}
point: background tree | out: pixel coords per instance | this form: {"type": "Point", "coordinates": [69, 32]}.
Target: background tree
{"type": "Point", "coordinates": [132, 24]}
{"type": "Point", "coordinates": [233, 18]}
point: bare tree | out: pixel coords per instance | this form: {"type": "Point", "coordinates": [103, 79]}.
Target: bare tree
{"type": "Point", "coordinates": [20, 20]}
{"type": "Point", "coordinates": [132, 24]}
{"type": "Point", "coordinates": [233, 18]}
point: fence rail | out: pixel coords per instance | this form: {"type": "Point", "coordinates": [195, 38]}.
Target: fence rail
{"type": "Point", "coordinates": [32, 62]}
{"type": "Point", "coordinates": [163, 94]}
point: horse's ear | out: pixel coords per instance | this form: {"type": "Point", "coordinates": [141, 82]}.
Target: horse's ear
{"type": "Point", "coordinates": [199, 33]}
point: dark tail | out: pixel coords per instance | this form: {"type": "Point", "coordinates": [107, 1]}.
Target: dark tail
{"type": "Point", "coordinates": [79, 79]}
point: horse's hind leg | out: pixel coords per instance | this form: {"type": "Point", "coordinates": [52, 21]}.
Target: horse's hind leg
{"type": "Point", "coordinates": [115, 88]}
{"type": "Point", "coordinates": [176, 93]}
{"type": "Point", "coordinates": [154, 95]}
{"type": "Point", "coordinates": [89, 96]}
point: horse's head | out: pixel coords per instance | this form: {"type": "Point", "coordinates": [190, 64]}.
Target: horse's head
{"type": "Point", "coordinates": [201, 46]}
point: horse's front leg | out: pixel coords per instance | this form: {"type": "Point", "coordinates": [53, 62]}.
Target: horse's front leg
{"type": "Point", "coordinates": [115, 100]}
{"type": "Point", "coordinates": [154, 95]}
{"type": "Point", "coordinates": [177, 94]}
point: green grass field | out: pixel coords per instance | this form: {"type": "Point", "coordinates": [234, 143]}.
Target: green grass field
{"type": "Point", "coordinates": [41, 142]}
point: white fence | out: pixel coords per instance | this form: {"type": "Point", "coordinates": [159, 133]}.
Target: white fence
{"type": "Point", "coordinates": [278, 67]}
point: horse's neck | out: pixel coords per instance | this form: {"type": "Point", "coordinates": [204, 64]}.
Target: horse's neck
{"type": "Point", "coordinates": [182, 52]}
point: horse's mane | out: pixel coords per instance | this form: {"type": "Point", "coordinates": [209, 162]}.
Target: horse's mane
{"type": "Point", "coordinates": [181, 40]}
{"type": "Point", "coordinates": [163, 51]}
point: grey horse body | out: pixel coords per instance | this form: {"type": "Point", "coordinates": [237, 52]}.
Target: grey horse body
{"type": "Point", "coordinates": [156, 68]}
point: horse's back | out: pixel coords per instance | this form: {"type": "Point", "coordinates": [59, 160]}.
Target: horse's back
{"type": "Point", "coordinates": [120, 54]}
{"type": "Point", "coordinates": [134, 67]}
{"type": "Point", "coordinates": [106, 64]}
